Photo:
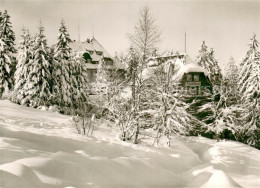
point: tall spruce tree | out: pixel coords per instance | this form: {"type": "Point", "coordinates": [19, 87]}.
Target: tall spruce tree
{"type": "Point", "coordinates": [62, 49]}
{"type": "Point", "coordinates": [23, 65]}
{"type": "Point", "coordinates": [61, 69]}
{"type": "Point", "coordinates": [79, 82]}
{"type": "Point", "coordinates": [230, 81]}
{"type": "Point", "coordinates": [206, 59]}
{"type": "Point", "coordinates": [37, 87]}
{"type": "Point", "coordinates": [231, 71]}
{"type": "Point", "coordinates": [6, 32]}
{"type": "Point", "coordinates": [249, 83]}
{"type": "Point", "coordinates": [7, 50]}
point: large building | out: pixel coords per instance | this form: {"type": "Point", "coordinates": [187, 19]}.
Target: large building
{"type": "Point", "coordinates": [92, 52]}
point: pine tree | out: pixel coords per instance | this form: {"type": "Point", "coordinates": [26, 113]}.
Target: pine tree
{"type": "Point", "coordinates": [23, 65]}
{"type": "Point", "coordinates": [231, 71]}
{"type": "Point", "coordinates": [37, 87]}
{"type": "Point", "coordinates": [225, 119]}
{"type": "Point", "coordinates": [62, 49]}
{"type": "Point", "coordinates": [207, 60]}
{"type": "Point", "coordinates": [61, 72]}
{"type": "Point", "coordinates": [79, 83]}
{"type": "Point", "coordinates": [6, 33]}
{"type": "Point", "coordinates": [231, 83]}
{"type": "Point", "coordinates": [249, 82]}
{"type": "Point", "coordinates": [7, 59]}
{"type": "Point", "coordinates": [216, 75]}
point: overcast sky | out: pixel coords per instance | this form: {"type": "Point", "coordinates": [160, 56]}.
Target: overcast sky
{"type": "Point", "coordinates": [226, 26]}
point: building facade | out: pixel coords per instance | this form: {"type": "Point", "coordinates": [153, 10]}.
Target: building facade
{"type": "Point", "coordinates": [91, 52]}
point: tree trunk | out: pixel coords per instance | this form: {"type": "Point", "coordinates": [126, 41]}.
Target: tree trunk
{"type": "Point", "coordinates": [136, 134]}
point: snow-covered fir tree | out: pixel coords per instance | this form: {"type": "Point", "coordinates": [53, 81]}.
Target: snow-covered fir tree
{"type": "Point", "coordinates": [230, 82]}
{"type": "Point", "coordinates": [5, 69]}
{"type": "Point", "coordinates": [225, 119]}
{"type": "Point", "coordinates": [7, 58]}
{"type": "Point", "coordinates": [61, 72]}
{"type": "Point", "coordinates": [163, 105]}
{"type": "Point", "coordinates": [37, 88]}
{"type": "Point", "coordinates": [79, 82]}
{"type": "Point", "coordinates": [206, 59]}
{"type": "Point", "coordinates": [62, 49]}
{"type": "Point", "coordinates": [249, 83]}
{"type": "Point", "coordinates": [231, 71]}
{"type": "Point", "coordinates": [6, 32]}
{"type": "Point", "coordinates": [22, 67]}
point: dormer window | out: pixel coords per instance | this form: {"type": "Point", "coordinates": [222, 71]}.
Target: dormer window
{"type": "Point", "coordinates": [99, 53]}
{"type": "Point", "coordinates": [87, 57]}
{"type": "Point", "coordinates": [90, 52]}
{"type": "Point", "coordinates": [196, 78]}
{"type": "Point", "coordinates": [189, 77]}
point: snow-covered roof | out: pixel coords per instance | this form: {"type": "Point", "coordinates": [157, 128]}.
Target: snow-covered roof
{"type": "Point", "coordinates": [168, 55]}
{"type": "Point", "coordinates": [92, 46]}
{"type": "Point", "coordinates": [91, 66]}
{"type": "Point", "coordinates": [190, 66]}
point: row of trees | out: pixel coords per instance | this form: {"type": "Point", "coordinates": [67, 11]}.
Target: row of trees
{"type": "Point", "coordinates": [236, 109]}
{"type": "Point", "coordinates": [41, 75]}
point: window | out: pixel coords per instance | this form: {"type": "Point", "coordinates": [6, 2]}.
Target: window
{"type": "Point", "coordinates": [99, 53]}
{"type": "Point", "coordinates": [189, 77]}
{"type": "Point", "coordinates": [196, 78]}
{"type": "Point", "coordinates": [110, 63]}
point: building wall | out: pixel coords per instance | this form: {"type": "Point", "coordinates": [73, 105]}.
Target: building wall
{"type": "Point", "coordinates": [92, 75]}
{"type": "Point", "coordinates": [196, 87]}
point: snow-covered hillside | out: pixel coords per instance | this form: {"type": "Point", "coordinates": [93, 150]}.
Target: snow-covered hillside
{"type": "Point", "coordinates": [42, 149]}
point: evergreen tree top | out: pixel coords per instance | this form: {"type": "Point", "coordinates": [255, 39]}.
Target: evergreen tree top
{"type": "Point", "coordinates": [26, 36]}
{"type": "Point", "coordinates": [40, 37]}
{"type": "Point", "coordinates": [211, 52]}
{"type": "Point", "coordinates": [204, 48]}
{"type": "Point", "coordinates": [231, 60]}
{"type": "Point", "coordinates": [41, 28]}
{"type": "Point", "coordinates": [62, 49]}
{"type": "Point", "coordinates": [6, 33]}
{"type": "Point", "coordinates": [249, 79]}
{"type": "Point", "coordinates": [254, 44]}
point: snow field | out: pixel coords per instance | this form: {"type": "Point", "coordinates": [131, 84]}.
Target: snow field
{"type": "Point", "coordinates": [42, 149]}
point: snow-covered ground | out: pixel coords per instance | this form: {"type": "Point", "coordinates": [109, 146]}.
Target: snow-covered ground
{"type": "Point", "coordinates": [42, 149]}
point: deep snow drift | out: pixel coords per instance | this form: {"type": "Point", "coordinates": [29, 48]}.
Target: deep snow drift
{"type": "Point", "coordinates": [42, 149]}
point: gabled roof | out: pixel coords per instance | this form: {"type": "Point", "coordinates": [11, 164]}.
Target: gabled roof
{"type": "Point", "coordinates": [90, 45]}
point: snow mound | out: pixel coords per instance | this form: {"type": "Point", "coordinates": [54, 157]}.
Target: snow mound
{"type": "Point", "coordinates": [220, 179]}
{"type": "Point", "coordinates": [13, 174]}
